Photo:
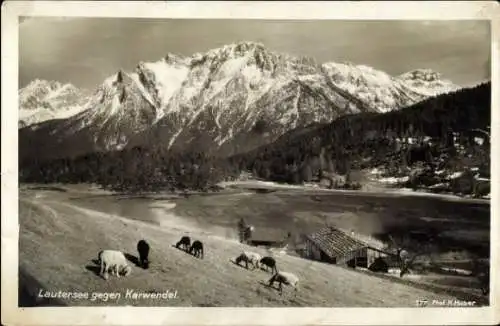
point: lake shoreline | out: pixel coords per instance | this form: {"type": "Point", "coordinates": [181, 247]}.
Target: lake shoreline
{"type": "Point", "coordinates": [253, 186]}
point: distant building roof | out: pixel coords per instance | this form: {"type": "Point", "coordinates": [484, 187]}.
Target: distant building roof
{"type": "Point", "coordinates": [335, 242]}
{"type": "Point", "coordinates": [268, 234]}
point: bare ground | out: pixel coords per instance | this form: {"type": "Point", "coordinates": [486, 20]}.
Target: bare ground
{"type": "Point", "coordinates": [60, 241]}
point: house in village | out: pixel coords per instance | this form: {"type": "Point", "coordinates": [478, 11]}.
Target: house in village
{"type": "Point", "coordinates": [262, 236]}
{"type": "Point", "coordinates": [336, 246]}
{"type": "Point", "coordinates": [270, 238]}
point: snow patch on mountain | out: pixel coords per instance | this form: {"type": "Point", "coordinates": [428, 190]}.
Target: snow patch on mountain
{"type": "Point", "coordinates": [168, 79]}
{"type": "Point", "coordinates": [58, 91]}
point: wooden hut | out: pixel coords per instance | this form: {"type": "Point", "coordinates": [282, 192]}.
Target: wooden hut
{"type": "Point", "coordinates": [336, 246]}
{"type": "Point", "coordinates": [267, 237]}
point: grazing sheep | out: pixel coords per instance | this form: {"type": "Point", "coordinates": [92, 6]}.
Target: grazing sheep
{"type": "Point", "coordinates": [115, 261]}
{"type": "Point", "coordinates": [249, 257]}
{"type": "Point", "coordinates": [143, 249]}
{"type": "Point", "coordinates": [197, 249]}
{"type": "Point", "coordinates": [269, 262]}
{"type": "Point", "coordinates": [185, 242]}
{"type": "Point", "coordinates": [285, 278]}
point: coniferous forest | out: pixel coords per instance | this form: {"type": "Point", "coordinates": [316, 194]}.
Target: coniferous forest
{"type": "Point", "coordinates": [437, 134]}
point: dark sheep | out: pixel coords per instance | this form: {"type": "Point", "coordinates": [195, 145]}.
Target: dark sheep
{"type": "Point", "coordinates": [269, 262]}
{"type": "Point", "coordinates": [143, 249]}
{"type": "Point", "coordinates": [185, 242]}
{"type": "Point", "coordinates": [197, 249]}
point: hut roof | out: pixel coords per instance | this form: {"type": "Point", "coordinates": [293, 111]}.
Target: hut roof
{"type": "Point", "coordinates": [335, 242]}
{"type": "Point", "coordinates": [268, 234]}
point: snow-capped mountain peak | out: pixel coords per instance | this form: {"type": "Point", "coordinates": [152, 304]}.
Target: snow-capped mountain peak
{"type": "Point", "coordinates": [43, 100]}
{"type": "Point", "coordinates": [421, 74]}
{"type": "Point", "coordinates": [36, 90]}
{"type": "Point", "coordinates": [427, 82]}
{"type": "Point", "coordinates": [120, 99]}
{"type": "Point", "coordinates": [384, 92]}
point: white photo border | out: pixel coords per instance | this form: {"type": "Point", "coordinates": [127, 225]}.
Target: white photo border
{"type": "Point", "coordinates": [352, 10]}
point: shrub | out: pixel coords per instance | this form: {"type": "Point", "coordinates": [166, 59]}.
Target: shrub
{"type": "Point", "coordinates": [463, 184]}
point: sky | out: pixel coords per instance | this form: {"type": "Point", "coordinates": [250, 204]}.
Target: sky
{"type": "Point", "coordinates": [85, 51]}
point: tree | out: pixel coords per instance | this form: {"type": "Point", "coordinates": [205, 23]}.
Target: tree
{"type": "Point", "coordinates": [307, 173]}
{"type": "Point", "coordinates": [265, 172]}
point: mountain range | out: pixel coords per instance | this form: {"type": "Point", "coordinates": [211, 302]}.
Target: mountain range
{"type": "Point", "coordinates": [228, 100]}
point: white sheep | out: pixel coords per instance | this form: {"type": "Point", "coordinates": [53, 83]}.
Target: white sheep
{"type": "Point", "coordinates": [115, 261]}
{"type": "Point", "coordinates": [249, 257]}
{"type": "Point", "coordinates": [285, 278]}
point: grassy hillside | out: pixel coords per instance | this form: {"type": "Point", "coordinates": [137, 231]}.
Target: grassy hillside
{"type": "Point", "coordinates": [59, 241]}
